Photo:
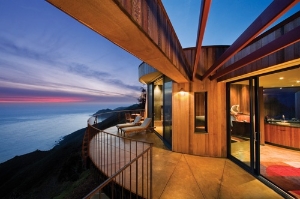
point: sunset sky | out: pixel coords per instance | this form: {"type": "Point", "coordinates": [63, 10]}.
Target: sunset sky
{"type": "Point", "coordinates": [47, 56]}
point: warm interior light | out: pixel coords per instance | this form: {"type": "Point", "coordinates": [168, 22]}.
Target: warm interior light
{"type": "Point", "coordinates": [281, 78]}
{"type": "Point", "coordinates": [298, 81]}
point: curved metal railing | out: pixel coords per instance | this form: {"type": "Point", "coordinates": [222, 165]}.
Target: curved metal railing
{"type": "Point", "coordinates": [124, 165]}
{"type": "Point", "coordinates": [121, 115]}
{"type": "Point", "coordinates": [93, 120]}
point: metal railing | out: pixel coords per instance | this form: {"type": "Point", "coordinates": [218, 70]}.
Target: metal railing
{"type": "Point", "coordinates": [120, 115]}
{"type": "Point", "coordinates": [117, 117]}
{"type": "Point", "coordinates": [123, 165]}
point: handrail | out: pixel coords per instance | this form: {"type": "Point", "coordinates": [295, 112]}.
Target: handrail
{"type": "Point", "coordinates": [126, 110]}
{"type": "Point", "coordinates": [109, 149]}
{"type": "Point", "coordinates": [97, 189]}
{"type": "Point", "coordinates": [95, 116]}
{"type": "Point", "coordinates": [127, 138]}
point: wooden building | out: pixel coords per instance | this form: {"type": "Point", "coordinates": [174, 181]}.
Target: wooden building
{"type": "Point", "coordinates": [236, 101]}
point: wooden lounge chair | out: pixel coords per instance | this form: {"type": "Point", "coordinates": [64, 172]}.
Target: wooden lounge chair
{"type": "Point", "coordinates": [135, 129]}
{"type": "Point", "coordinates": [136, 122]}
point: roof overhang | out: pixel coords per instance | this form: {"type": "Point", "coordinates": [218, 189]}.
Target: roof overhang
{"type": "Point", "coordinates": [108, 19]}
{"type": "Point", "coordinates": [276, 9]}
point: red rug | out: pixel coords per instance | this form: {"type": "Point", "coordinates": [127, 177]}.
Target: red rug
{"type": "Point", "coordinates": [281, 170]}
{"type": "Point", "coordinates": [295, 193]}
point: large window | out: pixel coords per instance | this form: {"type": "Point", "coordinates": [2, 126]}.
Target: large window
{"type": "Point", "coordinates": [167, 111]}
{"type": "Point", "coordinates": [280, 129]}
{"type": "Point", "coordinates": [201, 112]}
{"type": "Point", "coordinates": [150, 101]}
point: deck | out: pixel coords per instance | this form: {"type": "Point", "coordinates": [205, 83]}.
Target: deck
{"type": "Point", "coordinates": [177, 175]}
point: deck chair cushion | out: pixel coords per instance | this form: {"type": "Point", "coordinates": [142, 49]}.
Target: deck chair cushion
{"type": "Point", "coordinates": [136, 129]}
{"type": "Point", "coordinates": [136, 122]}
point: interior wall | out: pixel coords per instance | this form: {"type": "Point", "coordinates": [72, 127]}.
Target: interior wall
{"type": "Point", "coordinates": [239, 94]}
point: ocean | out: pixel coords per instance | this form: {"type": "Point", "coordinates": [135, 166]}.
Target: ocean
{"type": "Point", "coordinates": [28, 127]}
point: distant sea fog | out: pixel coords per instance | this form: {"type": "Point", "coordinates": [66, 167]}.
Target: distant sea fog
{"type": "Point", "coordinates": [28, 127]}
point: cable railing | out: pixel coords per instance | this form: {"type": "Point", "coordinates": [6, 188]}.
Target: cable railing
{"type": "Point", "coordinates": [111, 119]}
{"type": "Point", "coordinates": [123, 165]}
{"type": "Point", "coordinates": [121, 115]}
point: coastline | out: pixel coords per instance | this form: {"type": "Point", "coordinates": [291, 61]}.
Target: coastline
{"type": "Point", "coordinates": [23, 173]}
{"type": "Point", "coordinates": [27, 128]}
{"type": "Point", "coordinates": [56, 173]}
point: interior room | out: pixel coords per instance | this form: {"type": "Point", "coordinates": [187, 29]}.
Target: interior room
{"type": "Point", "coordinates": [279, 111]}
{"type": "Point", "coordinates": [158, 106]}
{"type": "Point", "coordinates": [280, 154]}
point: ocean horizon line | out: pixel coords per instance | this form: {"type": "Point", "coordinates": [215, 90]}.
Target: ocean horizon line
{"type": "Point", "coordinates": [25, 129]}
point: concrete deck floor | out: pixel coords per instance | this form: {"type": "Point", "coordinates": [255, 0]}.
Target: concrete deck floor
{"type": "Point", "coordinates": [181, 176]}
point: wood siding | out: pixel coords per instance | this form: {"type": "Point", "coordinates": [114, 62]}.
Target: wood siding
{"type": "Point", "coordinates": [185, 140]}
{"type": "Point", "coordinates": [151, 17]}
{"type": "Point", "coordinates": [265, 64]}
{"type": "Point", "coordinates": [239, 94]}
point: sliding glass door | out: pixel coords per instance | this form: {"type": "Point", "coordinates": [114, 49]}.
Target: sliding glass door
{"type": "Point", "coordinates": [160, 108]}
{"type": "Point", "coordinates": [242, 125]}
{"type": "Point", "coordinates": [280, 129]}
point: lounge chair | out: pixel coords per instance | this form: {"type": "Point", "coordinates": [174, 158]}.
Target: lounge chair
{"type": "Point", "coordinates": [136, 122]}
{"type": "Point", "coordinates": [135, 129]}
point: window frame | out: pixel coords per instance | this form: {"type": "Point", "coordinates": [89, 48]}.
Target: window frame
{"type": "Point", "coordinates": [204, 108]}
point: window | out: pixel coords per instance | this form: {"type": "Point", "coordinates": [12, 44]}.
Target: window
{"type": "Point", "coordinates": [201, 112]}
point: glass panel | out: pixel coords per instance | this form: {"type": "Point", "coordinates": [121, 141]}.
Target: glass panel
{"type": "Point", "coordinates": [280, 139]}
{"type": "Point", "coordinates": [158, 106]}
{"type": "Point", "coordinates": [240, 121]}
{"type": "Point", "coordinates": [200, 112]}
{"type": "Point", "coordinates": [167, 110]}
{"type": "Point", "coordinates": [254, 127]}
{"type": "Point", "coordinates": [150, 100]}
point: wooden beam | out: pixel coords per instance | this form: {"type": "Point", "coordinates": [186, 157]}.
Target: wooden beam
{"type": "Point", "coordinates": [142, 28]}
{"type": "Point", "coordinates": [276, 9]}
{"type": "Point", "coordinates": [285, 40]}
{"type": "Point", "coordinates": [204, 10]}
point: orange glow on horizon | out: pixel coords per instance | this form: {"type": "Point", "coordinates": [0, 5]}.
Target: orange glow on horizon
{"type": "Point", "coordinates": [41, 100]}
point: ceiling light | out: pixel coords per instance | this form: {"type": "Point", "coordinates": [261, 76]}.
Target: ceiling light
{"type": "Point", "coordinates": [281, 78]}
{"type": "Point", "coordinates": [298, 81]}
